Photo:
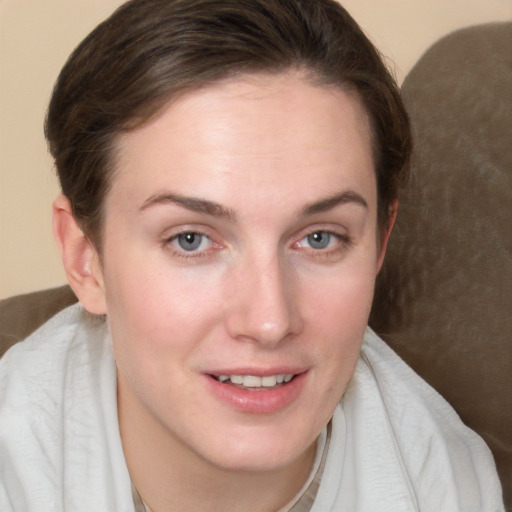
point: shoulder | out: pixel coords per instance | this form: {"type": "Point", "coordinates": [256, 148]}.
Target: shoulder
{"type": "Point", "coordinates": [61, 359]}
{"type": "Point", "coordinates": [72, 336]}
{"type": "Point", "coordinates": [58, 361]}
{"type": "Point", "coordinates": [443, 459]}
{"type": "Point", "coordinates": [56, 387]}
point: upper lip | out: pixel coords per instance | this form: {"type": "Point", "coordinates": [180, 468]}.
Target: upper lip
{"type": "Point", "coordinates": [258, 372]}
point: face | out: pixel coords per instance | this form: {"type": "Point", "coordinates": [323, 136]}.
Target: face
{"type": "Point", "coordinates": [239, 259]}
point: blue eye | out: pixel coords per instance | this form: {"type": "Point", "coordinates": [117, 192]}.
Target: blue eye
{"type": "Point", "coordinates": [191, 241]}
{"type": "Point", "coordinates": [320, 239]}
{"type": "Point", "coordinates": [324, 244]}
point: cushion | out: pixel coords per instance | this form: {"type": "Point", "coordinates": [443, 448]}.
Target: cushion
{"type": "Point", "coordinates": [444, 297]}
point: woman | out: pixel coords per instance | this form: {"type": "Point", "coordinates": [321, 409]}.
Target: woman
{"type": "Point", "coordinates": [230, 172]}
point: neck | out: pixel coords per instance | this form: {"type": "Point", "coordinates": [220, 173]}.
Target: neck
{"type": "Point", "coordinates": [170, 476]}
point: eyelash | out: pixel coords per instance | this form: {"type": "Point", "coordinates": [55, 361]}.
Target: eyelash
{"type": "Point", "coordinates": [184, 254]}
{"type": "Point", "coordinates": [343, 242]}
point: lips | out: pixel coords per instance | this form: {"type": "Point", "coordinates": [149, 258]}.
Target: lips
{"type": "Point", "coordinates": [255, 381]}
{"type": "Point", "coordinates": [257, 392]}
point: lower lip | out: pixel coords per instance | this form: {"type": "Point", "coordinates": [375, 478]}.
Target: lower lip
{"type": "Point", "coordinates": [260, 400]}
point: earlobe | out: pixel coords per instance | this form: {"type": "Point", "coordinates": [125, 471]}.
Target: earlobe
{"type": "Point", "coordinates": [386, 232]}
{"type": "Point", "coordinates": [80, 258]}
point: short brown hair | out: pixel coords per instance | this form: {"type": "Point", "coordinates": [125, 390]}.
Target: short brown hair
{"type": "Point", "coordinates": [150, 51]}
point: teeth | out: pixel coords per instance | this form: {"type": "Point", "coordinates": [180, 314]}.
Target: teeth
{"type": "Point", "coordinates": [268, 382]}
{"type": "Point", "coordinates": [253, 381]}
{"type": "Point", "coordinates": [250, 381]}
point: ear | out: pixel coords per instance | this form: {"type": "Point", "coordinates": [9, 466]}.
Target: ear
{"type": "Point", "coordinates": [80, 258]}
{"type": "Point", "coordinates": [385, 232]}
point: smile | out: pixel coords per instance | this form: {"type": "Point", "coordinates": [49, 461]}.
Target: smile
{"type": "Point", "coordinates": [255, 382]}
{"type": "Point", "coordinates": [258, 394]}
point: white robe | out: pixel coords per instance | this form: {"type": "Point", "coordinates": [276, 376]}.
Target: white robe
{"type": "Point", "coordinates": [396, 444]}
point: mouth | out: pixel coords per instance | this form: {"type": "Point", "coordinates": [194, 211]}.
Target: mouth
{"type": "Point", "coordinates": [258, 392]}
{"type": "Point", "coordinates": [254, 382]}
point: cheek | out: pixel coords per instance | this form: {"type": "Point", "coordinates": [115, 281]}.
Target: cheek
{"type": "Point", "coordinates": [339, 308]}
{"type": "Point", "coordinates": [340, 299]}
{"type": "Point", "coordinates": [155, 310]}
{"type": "Point", "coordinates": [339, 320]}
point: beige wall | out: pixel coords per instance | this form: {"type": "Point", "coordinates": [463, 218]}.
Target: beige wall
{"type": "Point", "coordinates": [35, 38]}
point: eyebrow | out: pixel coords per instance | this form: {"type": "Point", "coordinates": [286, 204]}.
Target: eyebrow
{"type": "Point", "coordinates": [217, 210]}
{"type": "Point", "coordinates": [347, 196]}
{"type": "Point", "coordinates": [190, 203]}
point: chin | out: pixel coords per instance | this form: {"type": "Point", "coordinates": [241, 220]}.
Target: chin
{"type": "Point", "coordinates": [260, 449]}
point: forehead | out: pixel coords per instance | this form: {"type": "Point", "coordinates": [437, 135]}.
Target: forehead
{"type": "Point", "coordinates": [269, 133]}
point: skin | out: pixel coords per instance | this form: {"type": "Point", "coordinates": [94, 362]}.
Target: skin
{"type": "Point", "coordinates": [256, 165]}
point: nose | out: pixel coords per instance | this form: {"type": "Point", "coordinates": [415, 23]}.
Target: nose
{"type": "Point", "coordinates": [263, 303]}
